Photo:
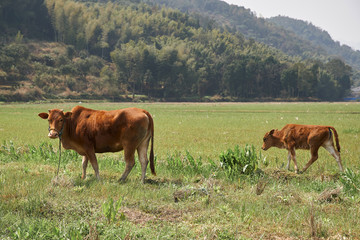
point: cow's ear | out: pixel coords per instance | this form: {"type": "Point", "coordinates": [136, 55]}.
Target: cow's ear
{"type": "Point", "coordinates": [68, 114]}
{"type": "Point", "coordinates": [43, 115]}
{"type": "Point", "coordinates": [271, 132]}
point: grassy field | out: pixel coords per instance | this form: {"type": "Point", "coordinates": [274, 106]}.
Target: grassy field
{"type": "Point", "coordinates": [187, 199]}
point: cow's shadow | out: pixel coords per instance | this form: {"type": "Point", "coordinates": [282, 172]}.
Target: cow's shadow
{"type": "Point", "coordinates": [163, 181]}
{"type": "Point", "coordinates": [91, 179]}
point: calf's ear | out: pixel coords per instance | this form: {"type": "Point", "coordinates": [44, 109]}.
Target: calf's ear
{"type": "Point", "coordinates": [271, 132]}
{"type": "Point", "coordinates": [68, 114]}
{"type": "Point", "coordinates": [43, 115]}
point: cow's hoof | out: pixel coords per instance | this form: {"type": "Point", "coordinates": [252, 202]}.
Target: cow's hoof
{"type": "Point", "coordinates": [121, 180]}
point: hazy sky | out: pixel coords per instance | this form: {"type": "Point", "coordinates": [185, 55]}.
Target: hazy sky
{"type": "Point", "coordinates": [340, 18]}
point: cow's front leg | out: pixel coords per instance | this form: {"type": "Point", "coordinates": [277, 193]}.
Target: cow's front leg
{"type": "Point", "coordinates": [289, 159]}
{"type": "Point", "coordinates": [84, 166]}
{"type": "Point", "coordinates": [92, 157]}
{"type": "Point", "coordinates": [129, 163]}
{"type": "Point", "coordinates": [293, 156]}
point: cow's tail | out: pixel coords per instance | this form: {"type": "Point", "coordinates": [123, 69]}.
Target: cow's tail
{"type": "Point", "coordinates": [151, 126]}
{"type": "Point", "coordinates": [336, 138]}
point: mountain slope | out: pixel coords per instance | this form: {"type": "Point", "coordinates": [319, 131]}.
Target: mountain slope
{"type": "Point", "coordinates": [319, 37]}
{"type": "Point", "coordinates": [273, 32]}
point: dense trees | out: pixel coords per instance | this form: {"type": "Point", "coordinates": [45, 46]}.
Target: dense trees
{"type": "Point", "coordinates": [110, 50]}
{"type": "Point", "coordinates": [27, 16]}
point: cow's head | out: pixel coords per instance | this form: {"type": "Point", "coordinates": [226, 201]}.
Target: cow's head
{"type": "Point", "coordinates": [57, 119]}
{"type": "Point", "coordinates": [269, 140]}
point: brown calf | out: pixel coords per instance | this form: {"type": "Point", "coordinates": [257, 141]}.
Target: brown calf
{"type": "Point", "coordinates": [295, 136]}
{"type": "Point", "coordinates": [90, 131]}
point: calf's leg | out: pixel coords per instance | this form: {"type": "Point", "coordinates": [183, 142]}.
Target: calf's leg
{"type": "Point", "coordinates": [289, 159]}
{"type": "Point", "coordinates": [314, 157]}
{"type": "Point", "coordinates": [331, 149]}
{"type": "Point", "coordinates": [129, 162]}
{"type": "Point", "coordinates": [293, 156]}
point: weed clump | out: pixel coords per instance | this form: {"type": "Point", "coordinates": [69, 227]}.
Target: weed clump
{"type": "Point", "coordinates": [110, 209]}
{"type": "Point", "coordinates": [350, 181]}
{"type": "Point", "coordinates": [239, 161]}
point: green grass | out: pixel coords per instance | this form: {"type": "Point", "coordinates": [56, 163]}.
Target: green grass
{"type": "Point", "coordinates": [191, 197]}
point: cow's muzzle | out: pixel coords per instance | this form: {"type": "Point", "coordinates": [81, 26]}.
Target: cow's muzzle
{"type": "Point", "coordinates": [54, 133]}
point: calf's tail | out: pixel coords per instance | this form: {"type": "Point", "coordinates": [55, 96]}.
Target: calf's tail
{"type": "Point", "coordinates": [151, 126]}
{"type": "Point", "coordinates": [336, 138]}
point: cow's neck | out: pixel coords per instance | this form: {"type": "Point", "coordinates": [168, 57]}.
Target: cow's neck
{"type": "Point", "coordinates": [278, 136]}
{"type": "Point", "coordinates": [66, 136]}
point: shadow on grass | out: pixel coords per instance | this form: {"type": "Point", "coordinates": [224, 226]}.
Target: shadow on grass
{"type": "Point", "coordinates": [163, 181]}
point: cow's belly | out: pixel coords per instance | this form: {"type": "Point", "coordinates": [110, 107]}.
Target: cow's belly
{"type": "Point", "coordinates": [108, 146]}
{"type": "Point", "coordinates": [302, 145]}
{"type": "Point", "coordinates": [305, 146]}
{"type": "Point", "coordinates": [297, 144]}
{"type": "Point", "coordinates": [74, 146]}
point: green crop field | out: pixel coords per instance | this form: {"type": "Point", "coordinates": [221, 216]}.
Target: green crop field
{"type": "Point", "coordinates": [193, 196]}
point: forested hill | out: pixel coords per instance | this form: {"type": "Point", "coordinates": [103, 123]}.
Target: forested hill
{"type": "Point", "coordinates": [293, 37]}
{"type": "Point", "coordinates": [321, 38]}
{"type": "Point", "coordinates": [235, 18]}
{"type": "Point", "coordinates": [122, 49]}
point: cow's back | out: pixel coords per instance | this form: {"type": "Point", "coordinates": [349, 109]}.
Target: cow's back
{"type": "Point", "coordinates": [303, 136]}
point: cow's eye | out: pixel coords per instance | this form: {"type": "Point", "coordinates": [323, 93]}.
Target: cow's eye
{"type": "Point", "coordinates": [264, 139]}
{"type": "Point", "coordinates": [61, 120]}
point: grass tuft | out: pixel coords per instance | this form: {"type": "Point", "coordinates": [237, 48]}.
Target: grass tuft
{"type": "Point", "coordinates": [239, 161]}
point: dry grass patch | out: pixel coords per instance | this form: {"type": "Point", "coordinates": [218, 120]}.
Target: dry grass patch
{"type": "Point", "coordinates": [330, 195]}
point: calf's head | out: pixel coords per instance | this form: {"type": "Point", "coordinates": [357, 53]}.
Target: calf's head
{"type": "Point", "coordinates": [57, 119]}
{"type": "Point", "coordinates": [268, 140]}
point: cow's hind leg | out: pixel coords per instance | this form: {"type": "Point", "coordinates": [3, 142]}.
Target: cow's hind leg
{"type": "Point", "coordinates": [84, 166]}
{"type": "Point", "coordinates": [314, 157]}
{"type": "Point", "coordinates": [142, 152]}
{"type": "Point", "coordinates": [329, 146]}
{"type": "Point", "coordinates": [129, 162]}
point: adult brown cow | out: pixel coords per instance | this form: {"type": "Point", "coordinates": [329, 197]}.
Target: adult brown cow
{"type": "Point", "coordinates": [295, 136]}
{"type": "Point", "coordinates": [90, 131]}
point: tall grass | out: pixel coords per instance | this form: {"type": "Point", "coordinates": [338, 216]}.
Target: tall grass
{"type": "Point", "coordinates": [185, 164]}
{"type": "Point", "coordinates": [44, 153]}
